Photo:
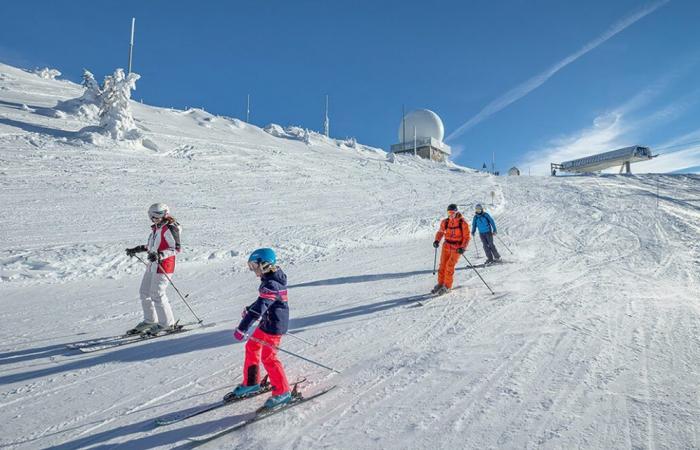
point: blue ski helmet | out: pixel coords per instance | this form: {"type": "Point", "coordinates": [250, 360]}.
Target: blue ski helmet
{"type": "Point", "coordinates": [263, 255]}
{"type": "Point", "coordinates": [262, 259]}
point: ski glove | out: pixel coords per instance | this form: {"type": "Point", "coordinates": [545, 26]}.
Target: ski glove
{"type": "Point", "coordinates": [460, 250]}
{"type": "Point", "coordinates": [153, 256]}
{"type": "Point", "coordinates": [244, 312]}
{"type": "Point", "coordinates": [133, 251]}
{"type": "Point", "coordinates": [436, 244]}
{"type": "Point", "coordinates": [238, 335]}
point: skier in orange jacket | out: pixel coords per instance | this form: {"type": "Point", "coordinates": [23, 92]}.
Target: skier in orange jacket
{"type": "Point", "coordinates": [455, 230]}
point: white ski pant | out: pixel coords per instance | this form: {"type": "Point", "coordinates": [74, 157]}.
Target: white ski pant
{"type": "Point", "coordinates": [156, 307]}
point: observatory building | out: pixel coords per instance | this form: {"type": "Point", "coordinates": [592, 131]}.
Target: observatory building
{"type": "Point", "coordinates": [421, 133]}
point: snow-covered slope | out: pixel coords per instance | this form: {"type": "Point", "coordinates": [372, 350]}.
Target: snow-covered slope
{"type": "Point", "coordinates": [591, 340]}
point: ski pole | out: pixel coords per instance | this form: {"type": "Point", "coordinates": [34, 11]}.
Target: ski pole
{"type": "Point", "coordinates": [476, 247]}
{"type": "Point", "coordinates": [477, 272]}
{"type": "Point", "coordinates": [504, 244]}
{"type": "Point", "coordinates": [435, 261]}
{"type": "Point", "coordinates": [199, 321]}
{"type": "Point", "coordinates": [293, 354]}
{"type": "Point", "coordinates": [301, 339]}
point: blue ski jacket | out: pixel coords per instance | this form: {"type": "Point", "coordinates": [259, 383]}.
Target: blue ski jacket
{"type": "Point", "coordinates": [484, 222]}
{"type": "Point", "coordinates": [271, 307]}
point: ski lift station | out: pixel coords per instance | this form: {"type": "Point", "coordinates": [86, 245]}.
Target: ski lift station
{"type": "Point", "coordinates": [421, 133]}
{"type": "Point", "coordinates": [622, 157]}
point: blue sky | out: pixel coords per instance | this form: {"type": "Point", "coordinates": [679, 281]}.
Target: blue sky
{"type": "Point", "coordinates": [533, 81]}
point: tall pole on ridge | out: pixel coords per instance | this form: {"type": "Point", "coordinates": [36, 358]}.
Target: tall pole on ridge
{"type": "Point", "coordinates": [247, 110]}
{"type": "Point", "coordinates": [403, 126]}
{"type": "Point", "coordinates": [415, 138]}
{"type": "Point", "coordinates": [131, 42]}
{"type": "Point", "coordinates": [326, 121]}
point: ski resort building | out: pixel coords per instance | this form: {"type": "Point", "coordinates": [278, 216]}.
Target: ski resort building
{"type": "Point", "coordinates": [421, 133]}
{"type": "Point", "coordinates": [622, 157]}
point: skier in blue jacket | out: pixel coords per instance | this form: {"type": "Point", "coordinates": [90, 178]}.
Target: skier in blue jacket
{"type": "Point", "coordinates": [487, 230]}
{"type": "Point", "coordinates": [272, 310]}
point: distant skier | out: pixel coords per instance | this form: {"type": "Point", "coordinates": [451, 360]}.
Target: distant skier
{"type": "Point", "coordinates": [487, 230]}
{"type": "Point", "coordinates": [273, 312]}
{"type": "Point", "coordinates": [455, 230]}
{"type": "Point", "coordinates": [163, 245]}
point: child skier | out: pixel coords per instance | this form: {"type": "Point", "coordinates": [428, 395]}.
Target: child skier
{"type": "Point", "coordinates": [487, 230]}
{"type": "Point", "coordinates": [163, 245]}
{"type": "Point", "coordinates": [273, 312]}
{"type": "Point", "coordinates": [455, 230]}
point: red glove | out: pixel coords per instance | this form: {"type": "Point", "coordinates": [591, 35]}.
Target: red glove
{"type": "Point", "coordinates": [238, 335]}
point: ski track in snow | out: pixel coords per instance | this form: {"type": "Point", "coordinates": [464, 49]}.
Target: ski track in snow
{"type": "Point", "coordinates": [591, 341]}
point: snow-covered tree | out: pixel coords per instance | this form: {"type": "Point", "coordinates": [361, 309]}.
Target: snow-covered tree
{"type": "Point", "coordinates": [115, 113]}
{"type": "Point", "coordinates": [87, 105]}
{"type": "Point", "coordinates": [92, 89]}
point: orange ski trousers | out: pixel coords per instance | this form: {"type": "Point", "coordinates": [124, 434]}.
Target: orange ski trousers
{"type": "Point", "coordinates": [273, 366]}
{"type": "Point", "coordinates": [448, 260]}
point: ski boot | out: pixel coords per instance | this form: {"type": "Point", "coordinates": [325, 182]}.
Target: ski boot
{"type": "Point", "coordinates": [248, 391]}
{"type": "Point", "coordinates": [443, 290]}
{"type": "Point", "coordinates": [489, 262]}
{"type": "Point", "coordinates": [436, 288]}
{"type": "Point", "coordinates": [141, 327]}
{"type": "Point", "coordinates": [277, 400]}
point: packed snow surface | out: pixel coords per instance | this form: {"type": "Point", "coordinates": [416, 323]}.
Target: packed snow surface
{"type": "Point", "coordinates": [592, 339]}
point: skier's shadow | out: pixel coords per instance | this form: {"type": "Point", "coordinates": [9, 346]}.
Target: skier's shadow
{"type": "Point", "coordinates": [163, 439]}
{"type": "Point", "coordinates": [364, 278]}
{"type": "Point", "coordinates": [309, 321]}
{"type": "Point", "coordinates": [155, 349]}
{"type": "Point", "coordinates": [34, 353]}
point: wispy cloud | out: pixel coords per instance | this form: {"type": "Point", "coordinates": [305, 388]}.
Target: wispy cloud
{"type": "Point", "coordinates": [533, 83]}
{"type": "Point", "coordinates": [620, 127]}
{"type": "Point", "coordinates": [677, 161]}
{"type": "Point", "coordinates": [677, 154]}
{"type": "Point", "coordinates": [607, 132]}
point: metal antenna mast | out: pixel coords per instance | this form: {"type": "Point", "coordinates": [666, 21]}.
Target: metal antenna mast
{"type": "Point", "coordinates": [326, 121]}
{"type": "Point", "coordinates": [131, 42]}
{"type": "Point", "coordinates": [247, 110]}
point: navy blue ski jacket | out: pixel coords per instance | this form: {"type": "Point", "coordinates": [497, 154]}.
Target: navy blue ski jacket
{"type": "Point", "coordinates": [271, 307]}
{"type": "Point", "coordinates": [484, 223]}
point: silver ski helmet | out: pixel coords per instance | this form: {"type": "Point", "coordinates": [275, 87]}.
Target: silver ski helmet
{"type": "Point", "coordinates": [158, 211]}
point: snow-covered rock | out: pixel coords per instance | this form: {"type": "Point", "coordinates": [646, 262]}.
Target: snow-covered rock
{"type": "Point", "coordinates": [47, 73]}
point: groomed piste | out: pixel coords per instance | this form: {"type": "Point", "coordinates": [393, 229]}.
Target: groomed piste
{"type": "Point", "coordinates": [591, 340]}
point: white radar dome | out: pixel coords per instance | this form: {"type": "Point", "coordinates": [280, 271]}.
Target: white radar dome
{"type": "Point", "coordinates": [427, 123]}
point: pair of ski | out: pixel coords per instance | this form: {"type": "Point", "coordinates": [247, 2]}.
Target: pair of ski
{"type": "Point", "coordinates": [422, 299]}
{"type": "Point", "coordinates": [258, 415]}
{"type": "Point", "coordinates": [105, 343]}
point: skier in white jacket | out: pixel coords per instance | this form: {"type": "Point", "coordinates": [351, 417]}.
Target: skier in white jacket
{"type": "Point", "coordinates": [163, 245]}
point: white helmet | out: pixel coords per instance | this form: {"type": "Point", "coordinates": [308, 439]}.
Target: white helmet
{"type": "Point", "coordinates": [158, 211]}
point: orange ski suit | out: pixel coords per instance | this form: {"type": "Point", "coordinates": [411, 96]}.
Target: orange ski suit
{"type": "Point", "coordinates": [455, 230]}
